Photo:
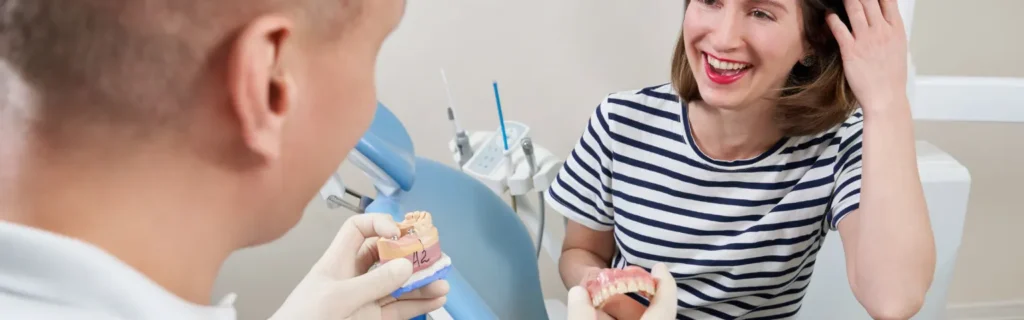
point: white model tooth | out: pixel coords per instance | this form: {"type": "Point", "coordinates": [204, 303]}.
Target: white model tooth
{"type": "Point", "coordinates": [621, 287]}
{"type": "Point", "coordinates": [596, 301]}
{"type": "Point", "coordinates": [605, 293]}
{"type": "Point", "coordinates": [631, 285]}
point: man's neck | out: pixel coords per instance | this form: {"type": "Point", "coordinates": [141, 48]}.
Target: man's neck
{"type": "Point", "coordinates": [733, 134]}
{"type": "Point", "coordinates": [150, 213]}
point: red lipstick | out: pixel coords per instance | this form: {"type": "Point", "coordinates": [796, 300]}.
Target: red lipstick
{"type": "Point", "coordinates": [722, 77]}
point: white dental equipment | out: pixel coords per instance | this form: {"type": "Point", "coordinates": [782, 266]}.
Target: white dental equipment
{"type": "Point", "coordinates": [507, 161]}
{"type": "Point", "coordinates": [461, 139]}
{"type": "Point", "coordinates": [531, 160]}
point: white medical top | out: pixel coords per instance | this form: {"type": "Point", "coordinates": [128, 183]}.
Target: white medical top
{"type": "Point", "coordinates": [47, 276]}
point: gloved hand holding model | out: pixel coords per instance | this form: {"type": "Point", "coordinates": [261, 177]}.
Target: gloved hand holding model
{"type": "Point", "coordinates": [342, 286]}
{"type": "Point", "coordinates": [586, 300]}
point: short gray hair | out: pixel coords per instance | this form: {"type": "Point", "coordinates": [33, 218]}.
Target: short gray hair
{"type": "Point", "coordinates": [129, 64]}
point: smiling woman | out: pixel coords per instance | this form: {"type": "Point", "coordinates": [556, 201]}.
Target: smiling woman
{"type": "Point", "coordinates": [769, 137]}
{"type": "Point", "coordinates": [807, 85]}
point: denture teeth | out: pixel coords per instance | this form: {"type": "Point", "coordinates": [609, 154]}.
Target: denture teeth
{"type": "Point", "coordinates": [632, 285]}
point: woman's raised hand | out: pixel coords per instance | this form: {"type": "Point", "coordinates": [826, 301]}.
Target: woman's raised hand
{"type": "Point", "coordinates": [874, 52]}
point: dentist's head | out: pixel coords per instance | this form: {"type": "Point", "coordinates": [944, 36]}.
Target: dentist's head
{"type": "Point", "coordinates": [163, 129]}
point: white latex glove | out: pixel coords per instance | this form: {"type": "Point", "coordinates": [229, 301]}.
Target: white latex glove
{"type": "Point", "coordinates": [339, 286]}
{"type": "Point", "coordinates": [663, 305]}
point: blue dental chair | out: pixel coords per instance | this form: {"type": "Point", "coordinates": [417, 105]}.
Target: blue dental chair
{"type": "Point", "coordinates": [495, 272]}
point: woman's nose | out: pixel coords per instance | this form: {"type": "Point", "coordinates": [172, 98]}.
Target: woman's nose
{"type": "Point", "coordinates": [727, 34]}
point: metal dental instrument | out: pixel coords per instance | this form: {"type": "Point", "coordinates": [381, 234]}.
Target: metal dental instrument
{"type": "Point", "coordinates": [461, 139]}
{"type": "Point", "coordinates": [532, 162]}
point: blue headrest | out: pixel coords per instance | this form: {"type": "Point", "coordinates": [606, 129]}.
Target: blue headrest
{"type": "Point", "coordinates": [388, 147]}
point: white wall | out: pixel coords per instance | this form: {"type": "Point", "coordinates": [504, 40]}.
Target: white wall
{"type": "Point", "coordinates": [555, 60]}
{"type": "Point", "coordinates": [980, 38]}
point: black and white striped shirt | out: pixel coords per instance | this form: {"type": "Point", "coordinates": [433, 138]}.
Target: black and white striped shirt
{"type": "Point", "coordinates": [741, 236]}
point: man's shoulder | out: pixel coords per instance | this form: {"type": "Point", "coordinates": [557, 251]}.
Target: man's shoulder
{"type": "Point", "coordinates": [21, 307]}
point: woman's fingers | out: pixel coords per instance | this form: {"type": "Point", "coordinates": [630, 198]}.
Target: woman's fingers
{"type": "Point", "coordinates": [891, 10]}
{"type": "Point", "coordinates": [623, 307]}
{"type": "Point", "coordinates": [858, 19]}
{"type": "Point", "coordinates": [873, 12]}
{"type": "Point", "coordinates": [840, 31]}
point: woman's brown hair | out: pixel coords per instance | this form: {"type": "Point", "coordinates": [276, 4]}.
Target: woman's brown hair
{"type": "Point", "coordinates": [816, 96]}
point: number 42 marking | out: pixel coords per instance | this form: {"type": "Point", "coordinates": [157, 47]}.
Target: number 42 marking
{"type": "Point", "coordinates": [420, 257]}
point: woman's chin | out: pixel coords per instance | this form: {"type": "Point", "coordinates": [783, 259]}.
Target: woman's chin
{"type": "Point", "coordinates": [722, 101]}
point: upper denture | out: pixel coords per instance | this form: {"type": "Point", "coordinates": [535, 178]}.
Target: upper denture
{"type": "Point", "coordinates": [610, 282]}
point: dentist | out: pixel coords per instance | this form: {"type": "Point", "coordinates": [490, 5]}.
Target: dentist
{"type": "Point", "coordinates": [142, 142]}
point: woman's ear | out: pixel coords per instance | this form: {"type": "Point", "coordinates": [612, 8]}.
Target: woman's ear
{"type": "Point", "coordinates": [260, 84]}
{"type": "Point", "coordinates": [808, 57]}
{"type": "Point", "coordinates": [808, 60]}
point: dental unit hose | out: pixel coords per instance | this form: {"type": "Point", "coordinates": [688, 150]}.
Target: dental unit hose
{"type": "Point", "coordinates": [532, 162]}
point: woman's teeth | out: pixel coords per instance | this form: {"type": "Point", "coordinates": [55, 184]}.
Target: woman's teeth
{"type": "Point", "coordinates": [725, 66]}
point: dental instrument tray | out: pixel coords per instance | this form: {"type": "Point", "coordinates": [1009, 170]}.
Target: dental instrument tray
{"type": "Point", "coordinates": [489, 160]}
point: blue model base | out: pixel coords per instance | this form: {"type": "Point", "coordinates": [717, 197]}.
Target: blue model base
{"type": "Point", "coordinates": [440, 274]}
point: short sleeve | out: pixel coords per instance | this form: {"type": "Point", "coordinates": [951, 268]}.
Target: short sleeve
{"type": "Point", "coordinates": [582, 190]}
{"type": "Point", "coordinates": [848, 167]}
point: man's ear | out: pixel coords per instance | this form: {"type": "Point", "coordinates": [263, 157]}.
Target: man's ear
{"type": "Point", "coordinates": [260, 85]}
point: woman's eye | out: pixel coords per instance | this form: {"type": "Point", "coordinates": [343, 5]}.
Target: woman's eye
{"type": "Point", "coordinates": [708, 2]}
{"type": "Point", "coordinates": [761, 14]}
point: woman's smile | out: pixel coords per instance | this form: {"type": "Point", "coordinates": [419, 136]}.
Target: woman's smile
{"type": "Point", "coordinates": [724, 71]}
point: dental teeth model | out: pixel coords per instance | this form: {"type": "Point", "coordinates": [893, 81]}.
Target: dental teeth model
{"type": "Point", "coordinates": [611, 282]}
{"type": "Point", "coordinates": [418, 243]}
